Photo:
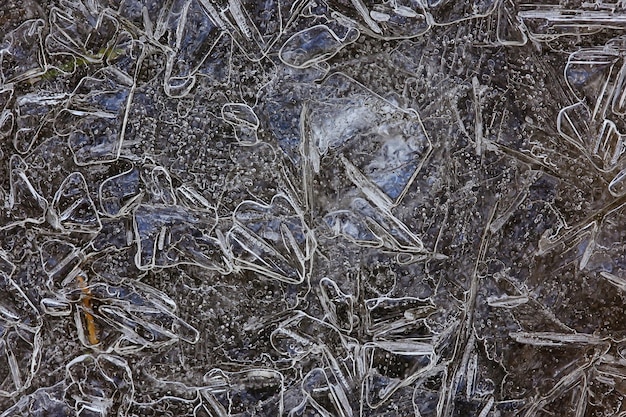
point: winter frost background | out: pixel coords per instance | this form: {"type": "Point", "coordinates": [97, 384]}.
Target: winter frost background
{"type": "Point", "coordinates": [312, 208]}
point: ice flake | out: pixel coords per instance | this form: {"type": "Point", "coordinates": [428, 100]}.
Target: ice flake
{"type": "Point", "coordinates": [20, 338]}
{"type": "Point", "coordinates": [272, 239]}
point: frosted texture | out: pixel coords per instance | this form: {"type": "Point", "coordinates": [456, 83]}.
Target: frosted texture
{"type": "Point", "coordinates": [335, 208]}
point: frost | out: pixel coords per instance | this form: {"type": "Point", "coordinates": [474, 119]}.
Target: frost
{"type": "Point", "coordinates": [93, 385]}
{"type": "Point", "coordinates": [312, 208]}
{"type": "Point", "coordinates": [96, 118]}
{"type": "Point", "coordinates": [21, 55]}
{"type": "Point", "coordinates": [314, 45]}
{"type": "Point", "coordinates": [244, 121]}
{"type": "Point", "coordinates": [20, 338]}
{"type": "Point", "coordinates": [272, 240]}
{"type": "Point", "coordinates": [72, 209]}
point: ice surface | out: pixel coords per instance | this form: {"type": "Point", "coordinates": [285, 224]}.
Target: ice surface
{"type": "Point", "coordinates": [272, 240]}
{"type": "Point", "coordinates": [20, 338]}
{"type": "Point", "coordinates": [312, 208]}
